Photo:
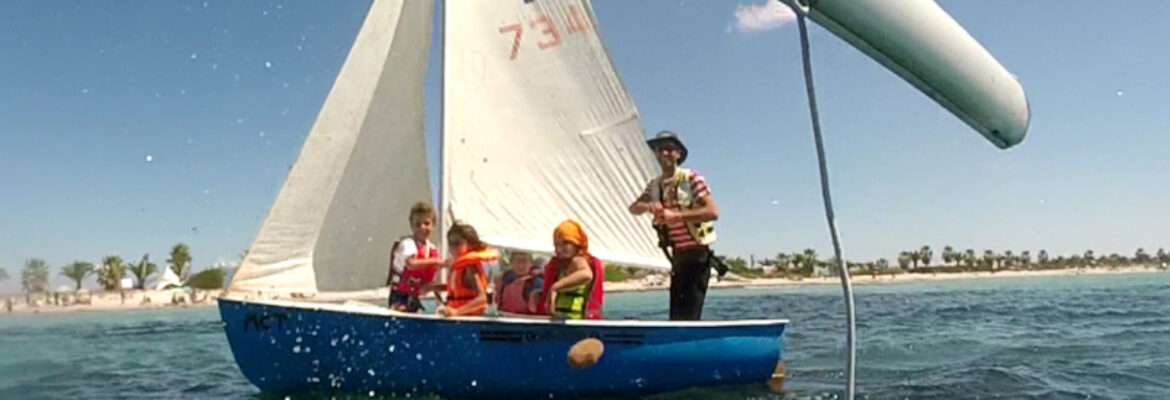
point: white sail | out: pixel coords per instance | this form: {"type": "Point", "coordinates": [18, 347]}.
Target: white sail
{"type": "Point", "coordinates": [364, 164]}
{"type": "Point", "coordinates": [538, 128]}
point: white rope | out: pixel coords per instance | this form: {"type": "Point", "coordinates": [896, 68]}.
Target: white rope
{"type": "Point", "coordinates": [851, 330]}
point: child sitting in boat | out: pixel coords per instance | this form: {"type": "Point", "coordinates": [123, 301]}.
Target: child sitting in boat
{"type": "Point", "coordinates": [573, 279]}
{"type": "Point", "coordinates": [519, 286]}
{"type": "Point", "coordinates": [414, 261]}
{"type": "Point", "coordinates": [467, 283]}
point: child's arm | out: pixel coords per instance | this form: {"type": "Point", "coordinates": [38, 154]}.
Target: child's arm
{"type": "Point", "coordinates": [579, 274]}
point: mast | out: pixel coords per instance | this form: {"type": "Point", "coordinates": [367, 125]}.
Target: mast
{"type": "Point", "coordinates": [443, 181]}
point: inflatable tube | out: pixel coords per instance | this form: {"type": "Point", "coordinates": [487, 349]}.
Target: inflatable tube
{"type": "Point", "coordinates": [919, 41]}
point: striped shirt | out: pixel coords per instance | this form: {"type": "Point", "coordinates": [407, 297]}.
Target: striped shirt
{"type": "Point", "coordinates": [680, 237]}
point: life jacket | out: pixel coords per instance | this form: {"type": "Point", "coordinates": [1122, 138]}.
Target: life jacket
{"type": "Point", "coordinates": [584, 302]}
{"type": "Point", "coordinates": [411, 280]}
{"type": "Point", "coordinates": [512, 295]}
{"type": "Point", "coordinates": [469, 262]}
{"type": "Point", "coordinates": [684, 195]}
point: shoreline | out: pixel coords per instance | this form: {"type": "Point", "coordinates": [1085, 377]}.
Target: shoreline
{"type": "Point", "coordinates": [162, 299]}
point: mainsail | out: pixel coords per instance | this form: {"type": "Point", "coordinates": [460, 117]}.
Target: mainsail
{"type": "Point", "coordinates": [538, 128]}
{"type": "Point", "coordinates": [364, 163]}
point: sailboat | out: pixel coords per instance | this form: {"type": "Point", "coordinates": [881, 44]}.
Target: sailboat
{"type": "Point", "coordinates": [536, 128]}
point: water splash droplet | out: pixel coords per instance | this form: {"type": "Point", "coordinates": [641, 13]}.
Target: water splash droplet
{"type": "Point", "coordinates": [297, 349]}
{"type": "Point", "coordinates": [298, 339]}
{"type": "Point", "coordinates": [370, 371]}
{"type": "Point", "coordinates": [418, 356]}
{"type": "Point", "coordinates": [84, 91]}
{"type": "Point", "coordinates": [371, 393]}
{"type": "Point", "coordinates": [149, 158]}
{"type": "Point", "coordinates": [214, 66]}
{"type": "Point", "coordinates": [474, 383]}
{"type": "Point", "coordinates": [390, 349]}
{"type": "Point", "coordinates": [194, 56]}
{"type": "Point", "coordinates": [344, 337]}
{"type": "Point", "coordinates": [268, 64]}
{"type": "Point", "coordinates": [183, 92]}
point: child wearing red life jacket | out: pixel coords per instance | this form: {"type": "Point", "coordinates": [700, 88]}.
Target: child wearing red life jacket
{"type": "Point", "coordinates": [520, 286]}
{"type": "Point", "coordinates": [573, 280]}
{"type": "Point", "coordinates": [467, 289]}
{"type": "Point", "coordinates": [414, 261]}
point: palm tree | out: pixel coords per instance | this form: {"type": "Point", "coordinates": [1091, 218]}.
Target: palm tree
{"type": "Point", "coordinates": [3, 274]}
{"type": "Point", "coordinates": [35, 277]}
{"type": "Point", "coordinates": [1163, 257]}
{"type": "Point", "coordinates": [1042, 258]}
{"type": "Point", "coordinates": [810, 260]}
{"type": "Point", "coordinates": [969, 257]}
{"type": "Point", "coordinates": [882, 264]}
{"type": "Point", "coordinates": [1026, 258]}
{"type": "Point", "coordinates": [782, 261]}
{"type": "Point", "coordinates": [1009, 258]}
{"type": "Point", "coordinates": [77, 271]}
{"type": "Point", "coordinates": [989, 259]}
{"type": "Point", "coordinates": [1140, 256]}
{"type": "Point", "coordinates": [180, 261]}
{"type": "Point", "coordinates": [924, 255]}
{"type": "Point", "coordinates": [915, 257]}
{"type": "Point", "coordinates": [904, 259]}
{"type": "Point", "coordinates": [1089, 257]}
{"type": "Point", "coordinates": [111, 273]}
{"type": "Point", "coordinates": [143, 270]}
{"type": "Point", "coordinates": [949, 255]}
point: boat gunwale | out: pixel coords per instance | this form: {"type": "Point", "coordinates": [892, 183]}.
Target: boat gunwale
{"type": "Point", "coordinates": [376, 311]}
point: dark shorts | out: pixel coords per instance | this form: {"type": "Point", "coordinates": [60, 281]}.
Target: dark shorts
{"type": "Point", "coordinates": [411, 304]}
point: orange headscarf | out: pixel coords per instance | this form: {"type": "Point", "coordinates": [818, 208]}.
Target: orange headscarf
{"type": "Point", "coordinates": [571, 231]}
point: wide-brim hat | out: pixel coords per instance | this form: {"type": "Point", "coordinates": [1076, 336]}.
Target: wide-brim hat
{"type": "Point", "coordinates": [669, 137]}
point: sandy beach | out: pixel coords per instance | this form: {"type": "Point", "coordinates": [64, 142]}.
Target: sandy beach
{"type": "Point", "coordinates": [160, 299]}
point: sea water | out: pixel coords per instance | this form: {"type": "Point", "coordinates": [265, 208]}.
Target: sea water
{"type": "Point", "coordinates": [1075, 337]}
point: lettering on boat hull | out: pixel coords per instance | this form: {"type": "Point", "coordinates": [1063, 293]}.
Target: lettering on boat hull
{"type": "Point", "coordinates": [264, 322]}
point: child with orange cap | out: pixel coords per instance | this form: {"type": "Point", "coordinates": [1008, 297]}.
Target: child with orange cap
{"type": "Point", "coordinates": [573, 279]}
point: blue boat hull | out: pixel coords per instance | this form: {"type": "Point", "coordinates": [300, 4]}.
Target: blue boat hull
{"type": "Point", "coordinates": [307, 347]}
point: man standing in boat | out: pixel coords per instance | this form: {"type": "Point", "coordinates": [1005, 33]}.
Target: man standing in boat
{"type": "Point", "coordinates": [684, 215]}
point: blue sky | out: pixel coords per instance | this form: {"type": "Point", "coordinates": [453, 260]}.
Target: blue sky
{"type": "Point", "coordinates": [128, 127]}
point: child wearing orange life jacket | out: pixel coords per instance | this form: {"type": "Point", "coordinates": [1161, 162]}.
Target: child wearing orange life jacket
{"type": "Point", "coordinates": [520, 286]}
{"type": "Point", "coordinates": [414, 261]}
{"type": "Point", "coordinates": [467, 282]}
{"type": "Point", "coordinates": [573, 280]}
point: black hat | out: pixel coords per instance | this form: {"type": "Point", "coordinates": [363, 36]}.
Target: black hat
{"type": "Point", "coordinates": [671, 137]}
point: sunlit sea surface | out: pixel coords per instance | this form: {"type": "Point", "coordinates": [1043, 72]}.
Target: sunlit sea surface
{"type": "Point", "coordinates": [1076, 337]}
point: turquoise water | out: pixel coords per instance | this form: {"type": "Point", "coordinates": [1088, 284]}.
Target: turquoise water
{"type": "Point", "coordinates": [1053, 338]}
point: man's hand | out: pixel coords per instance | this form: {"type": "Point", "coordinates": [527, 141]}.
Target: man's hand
{"type": "Point", "coordinates": [443, 311]}
{"type": "Point", "coordinates": [666, 216]}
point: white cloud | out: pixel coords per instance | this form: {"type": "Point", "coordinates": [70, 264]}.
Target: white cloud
{"type": "Point", "coordinates": [761, 17]}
